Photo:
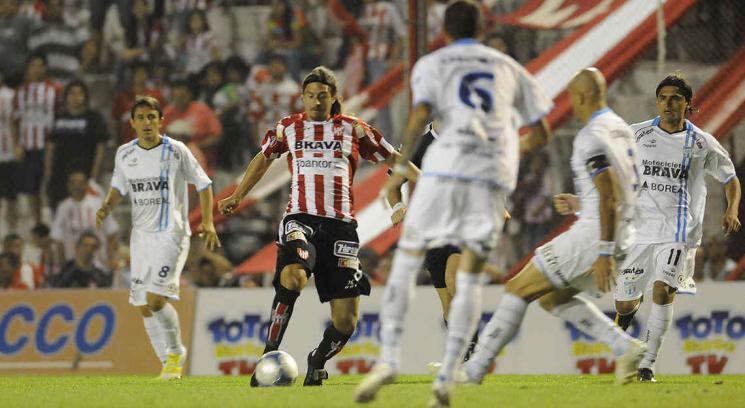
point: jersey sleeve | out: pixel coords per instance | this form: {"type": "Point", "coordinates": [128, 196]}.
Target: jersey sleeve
{"type": "Point", "coordinates": [531, 102]}
{"type": "Point", "coordinates": [594, 153]}
{"type": "Point", "coordinates": [718, 163]}
{"type": "Point", "coordinates": [192, 171]}
{"type": "Point", "coordinates": [118, 180]}
{"type": "Point", "coordinates": [272, 146]}
{"type": "Point", "coordinates": [373, 146]}
{"type": "Point", "coordinates": [423, 83]}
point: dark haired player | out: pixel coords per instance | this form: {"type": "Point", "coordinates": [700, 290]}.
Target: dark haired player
{"type": "Point", "coordinates": [674, 156]}
{"type": "Point", "coordinates": [318, 234]}
{"type": "Point", "coordinates": [154, 170]}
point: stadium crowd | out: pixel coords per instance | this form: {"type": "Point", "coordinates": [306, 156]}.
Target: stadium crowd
{"type": "Point", "coordinates": [71, 70]}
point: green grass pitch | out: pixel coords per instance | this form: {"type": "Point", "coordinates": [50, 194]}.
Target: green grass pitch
{"type": "Point", "coordinates": [410, 391]}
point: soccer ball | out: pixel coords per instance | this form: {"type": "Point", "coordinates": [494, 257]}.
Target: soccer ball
{"type": "Point", "coordinates": [276, 368]}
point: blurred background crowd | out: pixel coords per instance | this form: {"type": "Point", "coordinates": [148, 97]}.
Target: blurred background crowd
{"type": "Point", "coordinates": [225, 72]}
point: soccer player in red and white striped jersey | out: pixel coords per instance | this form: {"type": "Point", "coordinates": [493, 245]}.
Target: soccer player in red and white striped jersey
{"type": "Point", "coordinates": [318, 232]}
{"type": "Point", "coordinates": [35, 107]}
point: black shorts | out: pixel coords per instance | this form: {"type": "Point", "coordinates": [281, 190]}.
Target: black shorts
{"type": "Point", "coordinates": [326, 248]}
{"type": "Point", "coordinates": [8, 183]}
{"type": "Point", "coordinates": [31, 172]}
{"type": "Point", "coordinates": [436, 260]}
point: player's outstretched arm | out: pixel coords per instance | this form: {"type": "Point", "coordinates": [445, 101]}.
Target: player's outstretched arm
{"type": "Point", "coordinates": [732, 191]}
{"type": "Point", "coordinates": [540, 135]}
{"type": "Point", "coordinates": [604, 266]}
{"type": "Point", "coordinates": [254, 172]}
{"type": "Point", "coordinates": [394, 196]}
{"type": "Point", "coordinates": [113, 198]}
{"type": "Point", "coordinates": [207, 228]}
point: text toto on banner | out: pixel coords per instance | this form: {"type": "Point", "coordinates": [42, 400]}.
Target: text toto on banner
{"type": "Point", "coordinates": [707, 335]}
{"type": "Point", "coordinates": [79, 331]}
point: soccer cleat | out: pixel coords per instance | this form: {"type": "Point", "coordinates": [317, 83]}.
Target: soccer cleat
{"type": "Point", "coordinates": [628, 363]}
{"type": "Point", "coordinates": [440, 394]}
{"type": "Point", "coordinates": [174, 366]}
{"type": "Point", "coordinates": [645, 375]}
{"type": "Point", "coordinates": [314, 376]}
{"type": "Point", "coordinates": [379, 376]}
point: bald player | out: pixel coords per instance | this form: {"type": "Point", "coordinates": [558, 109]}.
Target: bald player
{"type": "Point", "coordinates": [581, 259]}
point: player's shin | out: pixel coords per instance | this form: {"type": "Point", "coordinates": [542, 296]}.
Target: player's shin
{"type": "Point", "coordinates": [660, 318]}
{"type": "Point", "coordinates": [169, 323]}
{"type": "Point", "coordinates": [398, 293]}
{"type": "Point", "coordinates": [496, 334]}
{"type": "Point", "coordinates": [465, 310]}
{"type": "Point", "coordinates": [157, 337]}
{"type": "Point", "coordinates": [333, 342]}
{"type": "Point", "coordinates": [586, 317]}
{"type": "Point", "coordinates": [282, 307]}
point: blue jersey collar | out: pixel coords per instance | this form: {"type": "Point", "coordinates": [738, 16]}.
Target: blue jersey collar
{"type": "Point", "coordinates": [465, 41]}
{"type": "Point", "coordinates": [598, 113]}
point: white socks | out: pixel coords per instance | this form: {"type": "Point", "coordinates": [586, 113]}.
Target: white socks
{"type": "Point", "coordinates": [157, 338]}
{"type": "Point", "coordinates": [398, 293]}
{"type": "Point", "coordinates": [586, 317]}
{"type": "Point", "coordinates": [497, 333]}
{"type": "Point", "coordinates": [168, 319]}
{"type": "Point", "coordinates": [660, 318]}
{"type": "Point", "coordinates": [465, 310]}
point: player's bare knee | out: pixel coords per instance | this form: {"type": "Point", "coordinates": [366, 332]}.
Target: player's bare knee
{"type": "Point", "coordinates": [145, 311]}
{"type": "Point", "coordinates": [293, 277]}
{"type": "Point", "coordinates": [662, 293]}
{"type": "Point", "coordinates": [625, 307]}
{"type": "Point", "coordinates": [155, 302]}
{"type": "Point", "coordinates": [547, 302]}
{"type": "Point", "coordinates": [346, 324]}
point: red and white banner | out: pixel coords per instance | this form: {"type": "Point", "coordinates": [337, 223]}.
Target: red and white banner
{"type": "Point", "coordinates": [559, 14]}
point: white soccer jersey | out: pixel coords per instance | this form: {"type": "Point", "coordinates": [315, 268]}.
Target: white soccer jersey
{"type": "Point", "coordinates": [606, 134]}
{"type": "Point", "coordinates": [73, 218]}
{"type": "Point", "coordinates": [156, 180]}
{"type": "Point", "coordinates": [481, 97]}
{"type": "Point", "coordinates": [673, 188]}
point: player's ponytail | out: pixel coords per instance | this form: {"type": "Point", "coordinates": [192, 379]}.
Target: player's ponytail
{"type": "Point", "coordinates": [325, 76]}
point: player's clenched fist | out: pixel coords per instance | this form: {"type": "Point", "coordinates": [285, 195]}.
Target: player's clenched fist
{"type": "Point", "coordinates": [566, 204]}
{"type": "Point", "coordinates": [226, 206]}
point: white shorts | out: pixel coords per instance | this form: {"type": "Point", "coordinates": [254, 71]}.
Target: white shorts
{"type": "Point", "coordinates": [454, 212]}
{"type": "Point", "coordinates": [566, 259]}
{"type": "Point", "coordinates": [672, 263]}
{"type": "Point", "coordinates": [156, 263]}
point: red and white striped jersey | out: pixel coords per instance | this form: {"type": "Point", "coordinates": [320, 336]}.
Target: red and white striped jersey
{"type": "Point", "coordinates": [7, 97]}
{"type": "Point", "coordinates": [35, 107]}
{"type": "Point", "coordinates": [322, 159]}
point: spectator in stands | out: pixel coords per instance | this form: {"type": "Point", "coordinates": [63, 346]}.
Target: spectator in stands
{"type": "Point", "coordinates": [385, 30]}
{"type": "Point", "coordinates": [285, 31]}
{"type": "Point", "coordinates": [230, 104]}
{"type": "Point", "coordinates": [161, 78]}
{"type": "Point", "coordinates": [192, 121]}
{"type": "Point", "coordinates": [120, 111]}
{"type": "Point", "coordinates": [199, 47]}
{"type": "Point", "coordinates": [77, 142]}
{"type": "Point", "coordinates": [716, 264]}
{"type": "Point", "coordinates": [36, 104]}
{"type": "Point", "coordinates": [211, 81]}
{"type": "Point", "coordinates": [76, 216]}
{"type": "Point", "coordinates": [15, 29]}
{"type": "Point", "coordinates": [9, 265]}
{"type": "Point", "coordinates": [81, 272]}
{"type": "Point", "coordinates": [274, 99]}
{"type": "Point", "coordinates": [9, 153]}
{"type": "Point", "coordinates": [42, 252]}
{"type": "Point", "coordinates": [59, 42]}
{"type": "Point", "coordinates": [26, 274]}
{"type": "Point", "coordinates": [536, 193]}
